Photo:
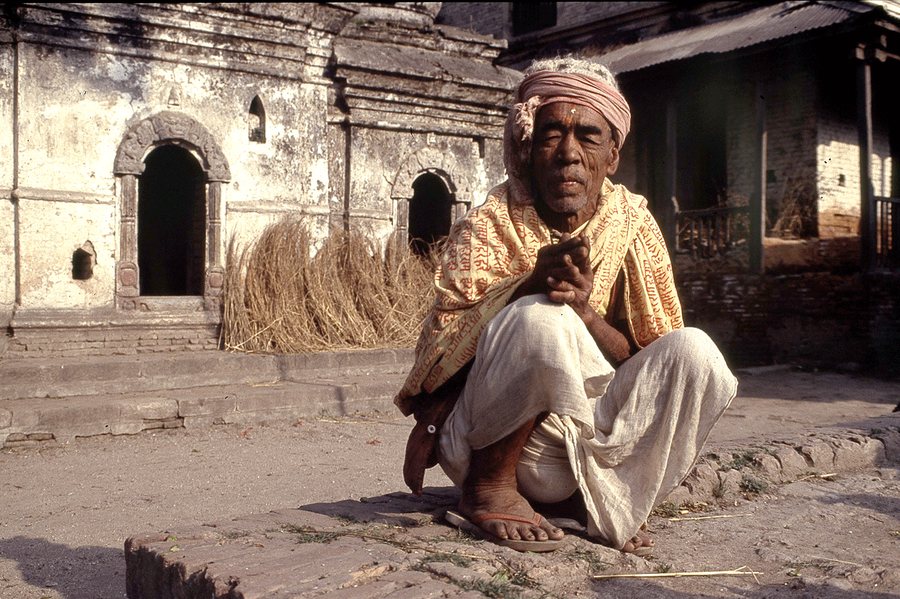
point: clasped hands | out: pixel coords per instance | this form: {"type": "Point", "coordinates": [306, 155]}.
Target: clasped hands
{"type": "Point", "coordinates": [563, 272]}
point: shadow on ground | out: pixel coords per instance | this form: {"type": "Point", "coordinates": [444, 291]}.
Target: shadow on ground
{"type": "Point", "coordinates": [74, 573]}
{"type": "Point", "coordinates": [394, 509]}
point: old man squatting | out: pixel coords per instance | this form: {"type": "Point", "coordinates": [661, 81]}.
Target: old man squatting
{"type": "Point", "coordinates": [554, 371]}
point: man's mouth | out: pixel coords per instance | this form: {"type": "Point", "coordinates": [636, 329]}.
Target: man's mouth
{"type": "Point", "coordinates": [568, 183]}
{"type": "Point", "coordinates": [568, 180]}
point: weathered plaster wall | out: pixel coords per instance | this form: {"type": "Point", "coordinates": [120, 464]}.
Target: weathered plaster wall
{"type": "Point", "coordinates": [289, 173]}
{"type": "Point", "coordinates": [75, 108]}
{"type": "Point", "coordinates": [49, 232]}
{"type": "Point", "coordinates": [67, 137]}
{"type": "Point", "coordinates": [7, 212]}
{"type": "Point", "coordinates": [385, 163]}
{"type": "Point", "coordinates": [838, 174]}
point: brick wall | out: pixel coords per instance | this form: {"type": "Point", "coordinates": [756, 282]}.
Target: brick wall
{"type": "Point", "coordinates": [79, 341]}
{"type": "Point", "coordinates": [818, 318]}
{"type": "Point", "coordinates": [790, 93]}
{"type": "Point", "coordinates": [487, 18]}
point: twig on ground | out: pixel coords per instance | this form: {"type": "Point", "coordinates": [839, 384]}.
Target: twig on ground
{"type": "Point", "coordinates": [681, 519]}
{"type": "Point", "coordinates": [742, 571]}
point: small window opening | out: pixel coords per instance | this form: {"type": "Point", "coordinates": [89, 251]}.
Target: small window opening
{"type": "Point", "coordinates": [83, 261]}
{"type": "Point", "coordinates": [842, 180]}
{"type": "Point", "coordinates": [257, 118]}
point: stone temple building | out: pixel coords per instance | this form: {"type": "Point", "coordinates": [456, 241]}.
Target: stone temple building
{"type": "Point", "coordinates": [139, 139]}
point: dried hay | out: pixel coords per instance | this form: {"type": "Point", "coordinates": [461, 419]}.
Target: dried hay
{"type": "Point", "coordinates": [350, 295]}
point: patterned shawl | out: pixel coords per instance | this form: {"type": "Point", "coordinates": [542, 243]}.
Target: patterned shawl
{"type": "Point", "coordinates": [494, 247]}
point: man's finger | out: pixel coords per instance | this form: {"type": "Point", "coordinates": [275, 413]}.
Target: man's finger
{"type": "Point", "coordinates": [561, 297]}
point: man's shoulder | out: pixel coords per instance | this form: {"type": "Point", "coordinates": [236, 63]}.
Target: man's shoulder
{"type": "Point", "coordinates": [496, 200]}
{"type": "Point", "coordinates": [636, 201]}
{"type": "Point", "coordinates": [495, 207]}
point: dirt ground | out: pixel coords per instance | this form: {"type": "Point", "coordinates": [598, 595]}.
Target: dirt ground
{"type": "Point", "coordinates": [66, 511]}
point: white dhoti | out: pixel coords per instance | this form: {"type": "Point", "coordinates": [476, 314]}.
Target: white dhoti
{"type": "Point", "coordinates": [625, 438]}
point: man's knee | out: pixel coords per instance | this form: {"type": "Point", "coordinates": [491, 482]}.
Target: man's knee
{"type": "Point", "coordinates": [536, 317]}
{"type": "Point", "coordinates": [691, 342]}
{"type": "Point", "coordinates": [692, 350]}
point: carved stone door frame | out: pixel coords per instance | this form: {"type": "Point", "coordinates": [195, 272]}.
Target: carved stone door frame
{"type": "Point", "coordinates": [437, 162]}
{"type": "Point", "coordinates": [163, 128]}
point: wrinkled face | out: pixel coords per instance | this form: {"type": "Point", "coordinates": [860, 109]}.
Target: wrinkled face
{"type": "Point", "coordinates": [572, 152]}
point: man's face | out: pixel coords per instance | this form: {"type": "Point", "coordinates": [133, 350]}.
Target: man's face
{"type": "Point", "coordinates": [572, 153]}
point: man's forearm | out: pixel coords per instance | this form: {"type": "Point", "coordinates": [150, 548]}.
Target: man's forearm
{"type": "Point", "coordinates": [614, 345]}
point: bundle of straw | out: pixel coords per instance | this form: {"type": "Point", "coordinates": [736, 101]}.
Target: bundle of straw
{"type": "Point", "coordinates": [351, 294]}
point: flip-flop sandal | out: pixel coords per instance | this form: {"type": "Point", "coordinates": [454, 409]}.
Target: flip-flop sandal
{"type": "Point", "coordinates": [462, 523]}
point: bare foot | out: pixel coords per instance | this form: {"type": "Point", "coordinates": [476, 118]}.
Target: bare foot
{"type": "Point", "coordinates": [487, 506]}
{"type": "Point", "coordinates": [642, 542]}
{"type": "Point", "coordinates": [490, 498]}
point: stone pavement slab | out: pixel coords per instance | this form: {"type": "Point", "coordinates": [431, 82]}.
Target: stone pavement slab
{"type": "Point", "coordinates": [391, 545]}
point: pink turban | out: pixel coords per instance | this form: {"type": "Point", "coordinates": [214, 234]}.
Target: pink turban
{"type": "Point", "coordinates": [553, 86]}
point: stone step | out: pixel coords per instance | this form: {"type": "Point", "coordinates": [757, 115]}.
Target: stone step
{"type": "Point", "coordinates": [30, 421]}
{"type": "Point", "coordinates": [69, 377]}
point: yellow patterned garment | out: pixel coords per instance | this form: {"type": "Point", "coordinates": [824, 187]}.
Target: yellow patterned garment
{"type": "Point", "coordinates": [494, 247]}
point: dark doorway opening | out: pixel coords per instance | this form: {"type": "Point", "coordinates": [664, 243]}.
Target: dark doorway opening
{"type": "Point", "coordinates": [701, 164]}
{"type": "Point", "coordinates": [171, 223]}
{"type": "Point", "coordinates": [429, 213]}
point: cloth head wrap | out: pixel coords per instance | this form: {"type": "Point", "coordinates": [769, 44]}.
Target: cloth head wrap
{"type": "Point", "coordinates": [553, 86]}
{"type": "Point", "coordinates": [546, 87]}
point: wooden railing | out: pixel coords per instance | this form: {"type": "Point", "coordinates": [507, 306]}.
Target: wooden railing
{"type": "Point", "coordinates": [887, 232]}
{"type": "Point", "coordinates": [710, 232]}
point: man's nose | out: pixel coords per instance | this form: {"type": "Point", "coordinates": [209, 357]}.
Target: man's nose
{"type": "Point", "coordinates": [568, 150]}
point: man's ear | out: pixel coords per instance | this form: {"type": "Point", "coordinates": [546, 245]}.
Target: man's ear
{"type": "Point", "coordinates": [613, 161]}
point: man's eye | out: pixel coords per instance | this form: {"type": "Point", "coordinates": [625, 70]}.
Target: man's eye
{"type": "Point", "coordinates": [550, 137]}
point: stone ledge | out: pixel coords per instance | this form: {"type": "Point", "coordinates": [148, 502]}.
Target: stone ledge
{"type": "Point", "coordinates": [34, 421]}
{"type": "Point", "coordinates": [726, 473]}
{"type": "Point", "coordinates": [75, 376]}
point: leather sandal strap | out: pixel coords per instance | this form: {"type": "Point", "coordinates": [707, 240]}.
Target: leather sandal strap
{"type": "Point", "coordinates": [480, 518]}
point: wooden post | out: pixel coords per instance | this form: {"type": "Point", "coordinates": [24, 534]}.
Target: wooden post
{"type": "Point", "coordinates": [670, 225]}
{"type": "Point", "coordinates": [864, 127]}
{"type": "Point", "coordinates": [758, 199]}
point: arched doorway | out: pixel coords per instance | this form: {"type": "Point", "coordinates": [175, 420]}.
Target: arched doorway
{"type": "Point", "coordinates": [183, 142]}
{"type": "Point", "coordinates": [430, 212]}
{"type": "Point", "coordinates": [171, 223]}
